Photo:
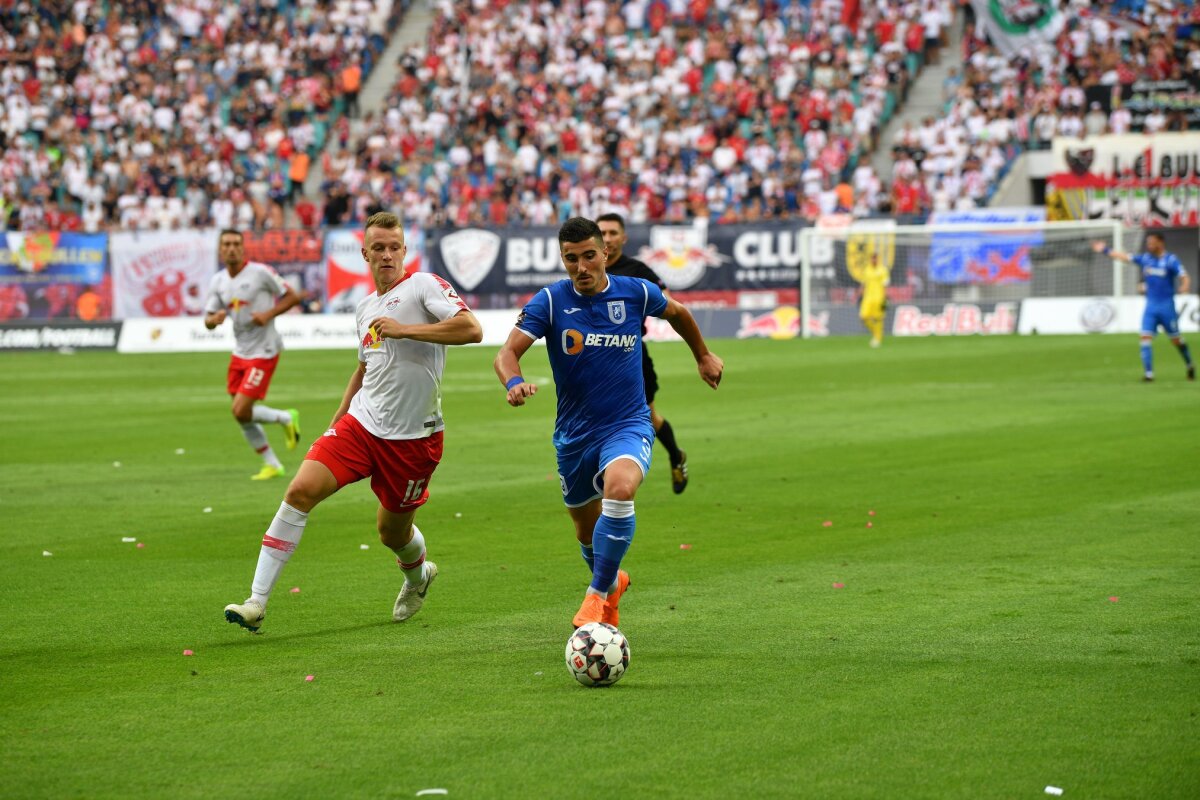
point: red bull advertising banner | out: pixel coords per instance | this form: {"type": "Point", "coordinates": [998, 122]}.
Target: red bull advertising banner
{"type": "Point", "coordinates": [514, 262]}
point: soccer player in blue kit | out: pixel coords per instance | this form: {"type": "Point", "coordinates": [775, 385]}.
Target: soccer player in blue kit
{"type": "Point", "coordinates": [1159, 272]}
{"type": "Point", "coordinates": [592, 323]}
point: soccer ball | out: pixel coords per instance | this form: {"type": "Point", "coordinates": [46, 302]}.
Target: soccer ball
{"type": "Point", "coordinates": [597, 654]}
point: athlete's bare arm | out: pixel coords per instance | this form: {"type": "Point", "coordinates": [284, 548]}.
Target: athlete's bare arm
{"type": "Point", "coordinates": [508, 367]}
{"type": "Point", "coordinates": [462, 328]}
{"type": "Point", "coordinates": [709, 364]}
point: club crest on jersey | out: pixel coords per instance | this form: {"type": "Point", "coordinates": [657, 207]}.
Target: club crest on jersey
{"type": "Point", "coordinates": [395, 301]}
{"type": "Point", "coordinates": [616, 311]}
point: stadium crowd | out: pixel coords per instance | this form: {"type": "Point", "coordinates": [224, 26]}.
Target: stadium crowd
{"type": "Point", "coordinates": [511, 114]}
{"type": "Point", "coordinates": [137, 115]}
{"type": "Point", "coordinates": [145, 115]}
{"type": "Point", "coordinates": [997, 106]}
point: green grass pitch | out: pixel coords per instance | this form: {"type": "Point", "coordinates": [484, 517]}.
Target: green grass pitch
{"type": "Point", "coordinates": [1022, 611]}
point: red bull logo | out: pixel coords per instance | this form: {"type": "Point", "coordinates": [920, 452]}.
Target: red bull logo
{"type": "Point", "coordinates": [956, 319]}
{"type": "Point", "coordinates": [372, 341]}
{"type": "Point", "coordinates": [680, 254]}
{"type": "Point", "coordinates": [782, 323]}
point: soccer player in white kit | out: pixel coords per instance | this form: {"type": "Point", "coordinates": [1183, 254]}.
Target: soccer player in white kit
{"type": "Point", "coordinates": [251, 295]}
{"type": "Point", "coordinates": [388, 425]}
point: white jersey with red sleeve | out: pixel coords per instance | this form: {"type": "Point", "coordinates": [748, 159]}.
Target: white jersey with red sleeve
{"type": "Point", "coordinates": [401, 395]}
{"type": "Point", "coordinates": [255, 288]}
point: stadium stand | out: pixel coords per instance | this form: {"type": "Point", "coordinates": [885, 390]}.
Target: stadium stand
{"type": "Point", "coordinates": [142, 115]}
{"type": "Point", "coordinates": [997, 106]}
{"type": "Point", "coordinates": [737, 111]}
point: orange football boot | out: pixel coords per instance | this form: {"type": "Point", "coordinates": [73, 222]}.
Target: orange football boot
{"type": "Point", "coordinates": [611, 614]}
{"type": "Point", "coordinates": [592, 610]}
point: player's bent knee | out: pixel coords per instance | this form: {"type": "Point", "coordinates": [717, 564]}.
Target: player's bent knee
{"type": "Point", "coordinates": [302, 495]}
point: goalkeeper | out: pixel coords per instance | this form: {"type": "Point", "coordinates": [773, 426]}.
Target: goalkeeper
{"type": "Point", "coordinates": [1159, 272]}
{"type": "Point", "coordinates": [873, 306]}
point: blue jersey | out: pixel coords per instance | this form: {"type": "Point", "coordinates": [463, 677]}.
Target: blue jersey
{"type": "Point", "coordinates": [1159, 274]}
{"type": "Point", "coordinates": [595, 349]}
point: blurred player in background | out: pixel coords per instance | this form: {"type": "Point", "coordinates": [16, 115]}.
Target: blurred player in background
{"type": "Point", "coordinates": [613, 228]}
{"type": "Point", "coordinates": [388, 425]}
{"type": "Point", "coordinates": [873, 306]}
{"type": "Point", "coordinates": [252, 295]}
{"type": "Point", "coordinates": [592, 323]}
{"type": "Point", "coordinates": [1161, 276]}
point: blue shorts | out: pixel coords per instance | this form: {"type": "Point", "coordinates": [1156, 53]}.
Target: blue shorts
{"type": "Point", "coordinates": [1164, 315]}
{"type": "Point", "coordinates": [581, 466]}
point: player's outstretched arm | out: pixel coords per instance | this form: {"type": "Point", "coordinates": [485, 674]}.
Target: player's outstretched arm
{"type": "Point", "coordinates": [462, 328]}
{"type": "Point", "coordinates": [711, 367]}
{"type": "Point", "coordinates": [356, 382]}
{"type": "Point", "coordinates": [1115, 255]}
{"type": "Point", "coordinates": [508, 368]}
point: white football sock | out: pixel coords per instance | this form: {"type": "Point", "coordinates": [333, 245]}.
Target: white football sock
{"type": "Point", "coordinates": [411, 558]}
{"type": "Point", "coordinates": [261, 413]}
{"type": "Point", "coordinates": [257, 438]}
{"type": "Point", "coordinates": [280, 541]}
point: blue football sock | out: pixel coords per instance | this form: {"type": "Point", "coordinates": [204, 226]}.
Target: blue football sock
{"type": "Point", "coordinates": [588, 556]}
{"type": "Point", "coordinates": [610, 540]}
{"type": "Point", "coordinates": [1147, 357]}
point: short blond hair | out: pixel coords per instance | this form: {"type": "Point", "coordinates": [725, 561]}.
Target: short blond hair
{"type": "Point", "coordinates": [383, 219]}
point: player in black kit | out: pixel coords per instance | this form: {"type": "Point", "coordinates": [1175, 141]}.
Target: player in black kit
{"type": "Point", "coordinates": [613, 228]}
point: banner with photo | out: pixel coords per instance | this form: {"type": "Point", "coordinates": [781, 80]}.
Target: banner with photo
{"type": "Point", "coordinates": [347, 275]}
{"type": "Point", "coordinates": [162, 273]}
{"type": "Point", "coordinates": [1148, 180]}
{"type": "Point", "coordinates": [991, 258]}
{"type": "Point", "coordinates": [55, 275]}
{"type": "Point", "coordinates": [298, 256]}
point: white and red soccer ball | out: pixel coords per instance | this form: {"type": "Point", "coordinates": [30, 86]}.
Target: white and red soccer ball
{"type": "Point", "coordinates": [597, 654]}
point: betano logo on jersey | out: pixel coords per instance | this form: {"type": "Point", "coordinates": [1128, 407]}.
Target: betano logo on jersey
{"type": "Point", "coordinates": [574, 341]}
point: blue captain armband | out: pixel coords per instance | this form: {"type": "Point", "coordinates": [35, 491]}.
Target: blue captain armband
{"type": "Point", "coordinates": [515, 380]}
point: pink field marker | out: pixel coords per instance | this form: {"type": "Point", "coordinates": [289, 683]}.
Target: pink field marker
{"type": "Point", "coordinates": [188, 653]}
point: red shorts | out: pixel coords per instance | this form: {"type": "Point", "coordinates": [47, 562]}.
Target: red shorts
{"type": "Point", "coordinates": [250, 376]}
{"type": "Point", "coordinates": [400, 469]}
